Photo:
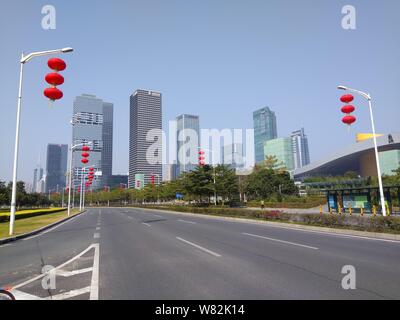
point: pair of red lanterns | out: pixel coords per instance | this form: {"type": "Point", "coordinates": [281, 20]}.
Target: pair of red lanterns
{"type": "Point", "coordinates": [348, 109]}
{"type": "Point", "coordinates": [202, 158]}
{"type": "Point", "coordinates": [55, 79]}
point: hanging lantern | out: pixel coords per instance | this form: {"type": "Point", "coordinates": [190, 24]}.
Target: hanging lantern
{"type": "Point", "coordinates": [349, 120]}
{"type": "Point", "coordinates": [57, 64]}
{"type": "Point", "coordinates": [53, 93]}
{"type": "Point", "coordinates": [84, 160]}
{"type": "Point", "coordinates": [347, 98]}
{"type": "Point", "coordinates": [85, 148]}
{"type": "Point", "coordinates": [91, 169]}
{"type": "Point", "coordinates": [348, 109]}
{"type": "Point", "coordinates": [54, 79]}
{"type": "Point", "coordinates": [85, 154]}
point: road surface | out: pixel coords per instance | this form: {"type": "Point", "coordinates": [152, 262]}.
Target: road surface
{"type": "Point", "coordinates": [129, 253]}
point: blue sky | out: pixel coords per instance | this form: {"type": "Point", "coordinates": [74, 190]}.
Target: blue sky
{"type": "Point", "coordinates": [218, 59]}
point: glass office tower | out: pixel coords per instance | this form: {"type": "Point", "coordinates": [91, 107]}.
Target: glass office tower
{"type": "Point", "coordinates": [93, 122]}
{"type": "Point", "coordinates": [264, 122]}
{"type": "Point", "coordinates": [145, 118]}
{"type": "Point", "coordinates": [301, 153]}
{"type": "Point", "coordinates": [281, 148]}
{"type": "Point", "coordinates": [56, 167]}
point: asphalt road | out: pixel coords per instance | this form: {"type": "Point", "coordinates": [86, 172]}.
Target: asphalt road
{"type": "Point", "coordinates": [111, 253]}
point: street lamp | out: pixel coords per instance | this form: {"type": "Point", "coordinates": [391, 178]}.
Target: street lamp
{"type": "Point", "coordinates": [24, 59]}
{"type": "Point", "coordinates": [70, 172]}
{"type": "Point", "coordinates": [368, 97]}
{"type": "Point", "coordinates": [215, 187]}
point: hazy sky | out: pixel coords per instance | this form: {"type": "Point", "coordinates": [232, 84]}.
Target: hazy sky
{"type": "Point", "coordinates": [220, 59]}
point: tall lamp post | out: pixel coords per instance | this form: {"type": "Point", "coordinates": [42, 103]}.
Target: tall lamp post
{"type": "Point", "coordinates": [24, 59]}
{"type": "Point", "coordinates": [378, 168]}
{"type": "Point", "coordinates": [215, 186]}
{"type": "Point", "coordinates": [70, 172]}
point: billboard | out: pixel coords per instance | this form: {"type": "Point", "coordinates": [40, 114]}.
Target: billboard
{"type": "Point", "coordinates": [356, 201]}
{"type": "Point", "coordinates": [139, 181]}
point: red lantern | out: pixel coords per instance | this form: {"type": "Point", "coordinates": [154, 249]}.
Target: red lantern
{"type": "Point", "coordinates": [347, 98]}
{"type": "Point", "coordinates": [201, 152]}
{"type": "Point", "coordinates": [85, 154]}
{"type": "Point", "coordinates": [91, 169]}
{"type": "Point", "coordinates": [53, 93]}
{"type": "Point", "coordinates": [349, 120]}
{"type": "Point", "coordinates": [54, 79]}
{"type": "Point", "coordinates": [201, 158]}
{"type": "Point", "coordinates": [202, 163]}
{"type": "Point", "coordinates": [85, 148]}
{"type": "Point", "coordinates": [348, 109]}
{"type": "Point", "coordinates": [57, 64]}
{"type": "Point", "coordinates": [84, 160]}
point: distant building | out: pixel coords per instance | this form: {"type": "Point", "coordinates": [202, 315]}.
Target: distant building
{"type": "Point", "coordinates": [281, 148]}
{"type": "Point", "coordinates": [188, 142]}
{"type": "Point", "coordinates": [93, 122]}
{"type": "Point", "coordinates": [232, 155]}
{"type": "Point", "coordinates": [37, 176]}
{"type": "Point", "coordinates": [116, 180]}
{"type": "Point", "coordinates": [265, 128]}
{"type": "Point", "coordinates": [145, 118]}
{"type": "Point", "coordinates": [56, 167]}
{"type": "Point", "coordinates": [301, 153]}
{"type": "Point", "coordinates": [358, 157]}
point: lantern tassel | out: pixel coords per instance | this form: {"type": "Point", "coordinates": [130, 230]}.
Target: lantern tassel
{"type": "Point", "coordinates": [51, 104]}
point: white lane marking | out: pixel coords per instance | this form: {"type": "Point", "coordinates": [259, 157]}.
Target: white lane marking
{"type": "Point", "coordinates": [97, 228]}
{"type": "Point", "coordinates": [94, 245]}
{"type": "Point", "coordinates": [66, 274]}
{"type": "Point", "coordinates": [277, 240]}
{"type": "Point", "coordinates": [185, 221]}
{"type": "Point", "coordinates": [199, 247]}
{"type": "Point", "coordinates": [146, 224]}
{"type": "Point", "coordinates": [19, 295]}
{"type": "Point", "coordinates": [96, 236]}
{"type": "Point", "coordinates": [69, 294]}
{"type": "Point", "coordinates": [94, 286]}
{"type": "Point", "coordinates": [156, 215]}
{"type": "Point", "coordinates": [49, 230]}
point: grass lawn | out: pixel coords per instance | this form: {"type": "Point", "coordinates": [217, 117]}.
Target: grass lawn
{"type": "Point", "coordinates": [22, 212]}
{"type": "Point", "coordinates": [30, 224]}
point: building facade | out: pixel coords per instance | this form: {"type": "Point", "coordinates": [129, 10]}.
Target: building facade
{"type": "Point", "coordinates": [281, 148]}
{"type": "Point", "coordinates": [56, 167]}
{"type": "Point", "coordinates": [187, 143]}
{"type": "Point", "coordinates": [93, 122]}
{"type": "Point", "coordinates": [145, 143]}
{"type": "Point", "coordinates": [265, 128]}
{"type": "Point", "coordinates": [37, 176]}
{"type": "Point", "coordinates": [301, 153]}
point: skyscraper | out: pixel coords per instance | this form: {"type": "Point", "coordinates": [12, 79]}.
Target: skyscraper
{"type": "Point", "coordinates": [56, 167]}
{"type": "Point", "coordinates": [280, 148]}
{"type": "Point", "coordinates": [145, 150]}
{"type": "Point", "coordinates": [301, 154]}
{"type": "Point", "coordinates": [93, 122]}
{"type": "Point", "coordinates": [264, 122]}
{"type": "Point", "coordinates": [232, 155]}
{"type": "Point", "coordinates": [188, 141]}
{"type": "Point", "coordinates": [37, 176]}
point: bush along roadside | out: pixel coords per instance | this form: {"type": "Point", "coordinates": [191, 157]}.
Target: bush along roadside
{"type": "Point", "coordinates": [30, 214]}
{"type": "Point", "coordinates": [366, 223]}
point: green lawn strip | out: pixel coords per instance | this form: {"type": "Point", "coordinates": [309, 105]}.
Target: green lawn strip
{"type": "Point", "coordinates": [33, 223]}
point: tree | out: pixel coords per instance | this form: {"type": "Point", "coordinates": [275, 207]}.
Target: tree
{"type": "Point", "coordinates": [226, 183]}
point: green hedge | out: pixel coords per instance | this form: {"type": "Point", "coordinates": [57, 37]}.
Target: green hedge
{"type": "Point", "coordinates": [34, 213]}
{"type": "Point", "coordinates": [366, 223]}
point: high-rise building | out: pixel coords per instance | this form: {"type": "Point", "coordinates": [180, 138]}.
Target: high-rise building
{"type": "Point", "coordinates": [280, 148]}
{"type": "Point", "coordinates": [145, 144]}
{"type": "Point", "coordinates": [301, 153]}
{"type": "Point", "coordinates": [93, 122]}
{"type": "Point", "coordinates": [232, 155]}
{"type": "Point", "coordinates": [37, 176]}
{"type": "Point", "coordinates": [187, 143]}
{"type": "Point", "coordinates": [56, 167]}
{"type": "Point", "coordinates": [264, 123]}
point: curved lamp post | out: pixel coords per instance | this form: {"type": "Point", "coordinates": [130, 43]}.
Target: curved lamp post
{"type": "Point", "coordinates": [368, 97]}
{"type": "Point", "coordinates": [24, 59]}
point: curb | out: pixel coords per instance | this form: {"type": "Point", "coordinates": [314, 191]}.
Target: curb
{"type": "Point", "coordinates": [37, 231]}
{"type": "Point", "coordinates": [292, 226]}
